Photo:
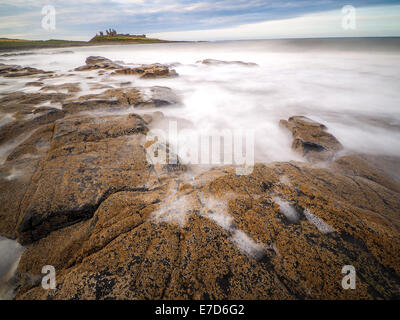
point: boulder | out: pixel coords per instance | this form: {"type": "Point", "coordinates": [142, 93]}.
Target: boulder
{"type": "Point", "coordinates": [97, 62]}
{"type": "Point", "coordinates": [311, 139]}
{"type": "Point", "coordinates": [148, 71]}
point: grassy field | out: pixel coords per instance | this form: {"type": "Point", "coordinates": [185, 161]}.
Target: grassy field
{"type": "Point", "coordinates": [15, 44]}
{"type": "Point", "coordinates": [6, 44]}
{"type": "Point", "coordinates": [122, 38]}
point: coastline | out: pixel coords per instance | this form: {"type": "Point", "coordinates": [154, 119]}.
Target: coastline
{"type": "Point", "coordinates": [347, 43]}
{"type": "Point", "coordinates": [83, 44]}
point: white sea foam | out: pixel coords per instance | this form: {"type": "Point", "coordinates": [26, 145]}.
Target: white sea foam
{"type": "Point", "coordinates": [353, 92]}
{"type": "Point", "coordinates": [321, 225]}
{"type": "Point", "coordinates": [287, 209]}
{"type": "Point", "coordinates": [7, 147]}
{"type": "Point", "coordinates": [247, 245]}
{"type": "Point", "coordinates": [6, 118]}
{"type": "Point", "coordinates": [285, 180]}
{"type": "Point", "coordinates": [14, 174]}
{"type": "Point", "coordinates": [10, 253]}
{"type": "Point", "coordinates": [175, 210]}
{"type": "Point", "coordinates": [217, 211]}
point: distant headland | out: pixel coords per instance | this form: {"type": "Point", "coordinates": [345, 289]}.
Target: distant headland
{"type": "Point", "coordinates": [109, 37]}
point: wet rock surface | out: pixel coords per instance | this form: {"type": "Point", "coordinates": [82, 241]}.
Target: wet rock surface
{"type": "Point", "coordinates": [150, 71]}
{"type": "Point", "coordinates": [311, 139]}
{"type": "Point", "coordinates": [88, 160]}
{"type": "Point", "coordinates": [12, 71]}
{"type": "Point", "coordinates": [81, 190]}
{"type": "Point", "coordinates": [16, 176]}
{"type": "Point", "coordinates": [97, 62]}
{"type": "Point", "coordinates": [69, 87]}
{"type": "Point", "coordinates": [226, 237]}
{"type": "Point", "coordinates": [122, 98]}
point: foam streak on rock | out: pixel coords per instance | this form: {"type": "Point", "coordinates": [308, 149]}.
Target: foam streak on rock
{"type": "Point", "coordinates": [10, 253]}
{"type": "Point", "coordinates": [287, 210]}
{"type": "Point", "coordinates": [321, 225]}
{"type": "Point", "coordinates": [247, 245]}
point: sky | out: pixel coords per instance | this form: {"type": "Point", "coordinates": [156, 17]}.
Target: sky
{"type": "Point", "coordinates": [201, 20]}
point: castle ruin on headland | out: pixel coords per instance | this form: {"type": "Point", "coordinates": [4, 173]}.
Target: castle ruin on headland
{"type": "Point", "coordinates": [113, 33]}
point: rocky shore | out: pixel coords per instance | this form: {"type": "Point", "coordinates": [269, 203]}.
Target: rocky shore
{"type": "Point", "coordinates": [80, 192]}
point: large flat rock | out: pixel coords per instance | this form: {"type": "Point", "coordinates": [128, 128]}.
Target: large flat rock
{"type": "Point", "coordinates": [283, 232]}
{"type": "Point", "coordinates": [89, 159]}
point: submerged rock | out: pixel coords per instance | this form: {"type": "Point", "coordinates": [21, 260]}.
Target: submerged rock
{"type": "Point", "coordinates": [69, 87]}
{"type": "Point", "coordinates": [28, 120]}
{"type": "Point", "coordinates": [158, 97]}
{"type": "Point", "coordinates": [34, 84]}
{"type": "Point", "coordinates": [12, 71]}
{"type": "Point", "coordinates": [17, 101]}
{"type": "Point", "coordinates": [220, 62]}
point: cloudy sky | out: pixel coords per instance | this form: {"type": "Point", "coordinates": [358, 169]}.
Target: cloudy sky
{"type": "Point", "coordinates": [200, 20]}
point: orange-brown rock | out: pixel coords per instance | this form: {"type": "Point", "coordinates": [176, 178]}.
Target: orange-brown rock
{"type": "Point", "coordinates": [88, 160]}
{"type": "Point", "coordinates": [91, 103]}
{"type": "Point", "coordinates": [144, 71]}
{"type": "Point", "coordinates": [311, 139]}
{"type": "Point", "coordinates": [120, 98]}
{"type": "Point", "coordinates": [16, 174]}
{"type": "Point", "coordinates": [229, 237]}
{"type": "Point", "coordinates": [85, 193]}
{"type": "Point", "coordinates": [150, 71]}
